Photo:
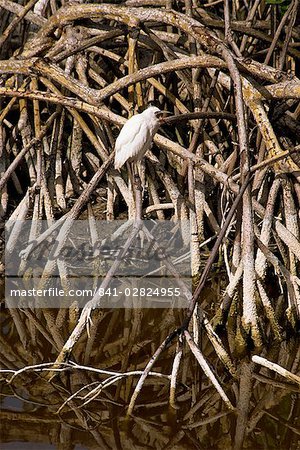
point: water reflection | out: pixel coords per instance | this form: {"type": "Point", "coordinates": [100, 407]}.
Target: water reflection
{"type": "Point", "coordinates": [83, 408]}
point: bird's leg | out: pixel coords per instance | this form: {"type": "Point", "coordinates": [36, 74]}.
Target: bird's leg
{"type": "Point", "coordinates": [137, 192]}
{"type": "Point", "coordinates": [142, 172]}
{"type": "Point", "coordinates": [137, 178]}
{"type": "Point", "coordinates": [130, 175]}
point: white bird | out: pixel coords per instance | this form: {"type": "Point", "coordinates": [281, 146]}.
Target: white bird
{"type": "Point", "coordinates": [136, 136]}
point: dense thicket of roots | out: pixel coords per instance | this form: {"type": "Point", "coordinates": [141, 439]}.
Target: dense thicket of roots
{"type": "Point", "coordinates": [227, 160]}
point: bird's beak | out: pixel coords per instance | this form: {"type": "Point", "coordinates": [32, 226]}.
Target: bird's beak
{"type": "Point", "coordinates": [162, 118]}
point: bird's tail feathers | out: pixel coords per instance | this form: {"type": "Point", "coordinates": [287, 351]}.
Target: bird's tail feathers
{"type": "Point", "coordinates": [120, 159]}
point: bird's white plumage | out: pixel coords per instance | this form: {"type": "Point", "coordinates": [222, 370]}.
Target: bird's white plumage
{"type": "Point", "coordinates": [136, 136]}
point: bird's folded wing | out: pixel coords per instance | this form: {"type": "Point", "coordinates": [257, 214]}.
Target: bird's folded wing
{"type": "Point", "coordinates": [133, 140]}
{"type": "Point", "coordinates": [130, 130]}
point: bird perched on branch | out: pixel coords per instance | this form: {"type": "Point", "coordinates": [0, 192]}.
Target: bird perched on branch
{"type": "Point", "coordinates": [136, 136]}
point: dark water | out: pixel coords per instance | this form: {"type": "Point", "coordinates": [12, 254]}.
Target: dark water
{"type": "Point", "coordinates": [267, 414]}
